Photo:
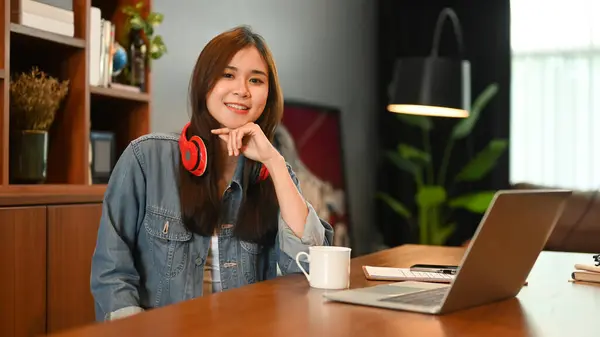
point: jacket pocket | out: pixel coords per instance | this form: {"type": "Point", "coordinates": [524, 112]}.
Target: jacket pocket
{"type": "Point", "coordinates": [250, 261]}
{"type": "Point", "coordinates": [168, 242]}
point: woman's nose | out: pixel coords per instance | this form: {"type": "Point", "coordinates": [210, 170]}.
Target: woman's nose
{"type": "Point", "coordinates": [242, 89]}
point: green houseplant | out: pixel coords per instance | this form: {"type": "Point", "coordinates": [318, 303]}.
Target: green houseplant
{"type": "Point", "coordinates": [147, 23]}
{"type": "Point", "coordinates": [434, 205]}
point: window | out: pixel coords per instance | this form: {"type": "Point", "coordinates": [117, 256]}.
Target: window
{"type": "Point", "coordinates": [555, 93]}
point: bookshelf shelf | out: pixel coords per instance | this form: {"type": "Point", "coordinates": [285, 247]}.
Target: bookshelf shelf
{"type": "Point", "coordinates": [34, 35]}
{"type": "Point", "coordinates": [119, 94]}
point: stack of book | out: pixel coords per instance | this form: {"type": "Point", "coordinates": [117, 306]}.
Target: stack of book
{"type": "Point", "coordinates": [586, 273]}
{"type": "Point", "coordinates": [54, 16]}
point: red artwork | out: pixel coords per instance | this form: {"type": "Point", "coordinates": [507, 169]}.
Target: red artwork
{"type": "Point", "coordinates": [316, 132]}
{"type": "Point", "coordinates": [310, 140]}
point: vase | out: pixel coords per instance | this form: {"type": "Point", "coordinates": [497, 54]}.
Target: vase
{"type": "Point", "coordinates": [137, 59]}
{"type": "Point", "coordinates": [28, 157]}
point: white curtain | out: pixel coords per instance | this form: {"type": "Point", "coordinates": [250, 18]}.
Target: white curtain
{"type": "Point", "coordinates": [555, 93]}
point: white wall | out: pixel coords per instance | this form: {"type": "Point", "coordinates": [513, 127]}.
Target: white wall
{"type": "Point", "coordinates": [325, 53]}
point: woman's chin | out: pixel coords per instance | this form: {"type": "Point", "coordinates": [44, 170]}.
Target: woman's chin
{"type": "Point", "coordinates": [234, 124]}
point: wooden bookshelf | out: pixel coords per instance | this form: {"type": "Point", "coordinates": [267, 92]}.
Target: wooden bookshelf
{"type": "Point", "coordinates": [50, 230]}
{"type": "Point", "coordinates": [86, 108]}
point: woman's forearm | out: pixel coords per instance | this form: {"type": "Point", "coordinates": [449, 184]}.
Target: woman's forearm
{"type": "Point", "coordinates": [293, 208]}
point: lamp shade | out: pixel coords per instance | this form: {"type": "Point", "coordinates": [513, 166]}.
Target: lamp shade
{"type": "Point", "coordinates": [431, 86]}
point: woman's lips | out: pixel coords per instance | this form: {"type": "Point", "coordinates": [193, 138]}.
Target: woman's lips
{"type": "Point", "coordinates": [239, 109]}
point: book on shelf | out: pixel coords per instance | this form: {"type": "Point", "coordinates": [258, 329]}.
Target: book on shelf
{"type": "Point", "coordinates": [95, 43]}
{"type": "Point", "coordinates": [44, 15]}
{"type": "Point", "coordinates": [102, 42]}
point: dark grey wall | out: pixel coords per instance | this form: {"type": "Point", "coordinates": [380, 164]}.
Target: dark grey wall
{"type": "Point", "coordinates": [325, 53]}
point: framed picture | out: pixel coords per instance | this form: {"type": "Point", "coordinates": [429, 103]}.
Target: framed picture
{"type": "Point", "coordinates": [309, 138]}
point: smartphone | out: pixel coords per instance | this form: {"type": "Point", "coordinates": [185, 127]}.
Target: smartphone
{"type": "Point", "coordinates": [440, 268]}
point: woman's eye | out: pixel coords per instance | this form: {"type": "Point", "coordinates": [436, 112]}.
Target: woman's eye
{"type": "Point", "coordinates": [256, 80]}
{"type": "Point", "coordinates": [226, 75]}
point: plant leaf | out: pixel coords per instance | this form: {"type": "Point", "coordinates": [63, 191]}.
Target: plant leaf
{"type": "Point", "coordinates": [158, 43]}
{"type": "Point", "coordinates": [422, 122]}
{"type": "Point", "coordinates": [477, 202]}
{"type": "Point", "coordinates": [396, 205]}
{"type": "Point", "coordinates": [136, 22]}
{"type": "Point", "coordinates": [412, 153]}
{"type": "Point", "coordinates": [465, 126]}
{"type": "Point", "coordinates": [155, 19]}
{"type": "Point", "coordinates": [403, 163]}
{"type": "Point", "coordinates": [440, 236]}
{"type": "Point", "coordinates": [148, 29]}
{"type": "Point", "coordinates": [483, 162]}
{"type": "Point", "coordinates": [139, 5]}
{"type": "Point", "coordinates": [430, 196]}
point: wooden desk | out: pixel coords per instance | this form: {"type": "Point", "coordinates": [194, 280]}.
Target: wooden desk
{"type": "Point", "coordinates": [549, 306]}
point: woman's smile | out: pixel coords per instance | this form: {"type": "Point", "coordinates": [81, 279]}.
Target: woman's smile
{"type": "Point", "coordinates": [238, 108]}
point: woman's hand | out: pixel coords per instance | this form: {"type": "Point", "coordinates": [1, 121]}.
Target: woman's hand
{"type": "Point", "coordinates": [252, 143]}
{"type": "Point", "coordinates": [249, 140]}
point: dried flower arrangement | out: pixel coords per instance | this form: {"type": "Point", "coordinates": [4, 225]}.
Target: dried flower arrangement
{"type": "Point", "coordinates": [34, 99]}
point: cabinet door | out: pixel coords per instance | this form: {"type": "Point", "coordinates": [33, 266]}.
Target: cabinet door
{"type": "Point", "coordinates": [23, 268]}
{"type": "Point", "coordinates": [72, 232]}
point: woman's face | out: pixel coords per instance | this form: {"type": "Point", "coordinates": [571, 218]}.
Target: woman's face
{"type": "Point", "coordinates": [240, 95]}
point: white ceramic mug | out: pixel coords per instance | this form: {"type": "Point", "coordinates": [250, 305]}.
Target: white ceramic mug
{"type": "Point", "coordinates": [329, 267]}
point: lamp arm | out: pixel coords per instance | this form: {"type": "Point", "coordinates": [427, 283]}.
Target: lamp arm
{"type": "Point", "coordinates": [447, 13]}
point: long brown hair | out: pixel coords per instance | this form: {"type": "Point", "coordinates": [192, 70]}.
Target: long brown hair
{"type": "Point", "coordinates": [200, 199]}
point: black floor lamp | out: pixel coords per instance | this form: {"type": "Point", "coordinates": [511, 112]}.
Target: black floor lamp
{"type": "Point", "coordinates": [433, 85]}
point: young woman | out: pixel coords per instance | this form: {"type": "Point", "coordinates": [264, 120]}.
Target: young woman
{"type": "Point", "coordinates": [219, 192]}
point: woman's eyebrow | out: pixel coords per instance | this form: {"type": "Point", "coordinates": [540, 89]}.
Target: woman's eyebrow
{"type": "Point", "coordinates": [254, 71]}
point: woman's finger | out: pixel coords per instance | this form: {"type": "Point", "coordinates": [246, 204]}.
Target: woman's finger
{"type": "Point", "coordinates": [239, 138]}
{"type": "Point", "coordinates": [230, 144]}
{"type": "Point", "coordinates": [221, 131]}
{"type": "Point", "coordinates": [249, 129]}
{"type": "Point", "coordinates": [234, 142]}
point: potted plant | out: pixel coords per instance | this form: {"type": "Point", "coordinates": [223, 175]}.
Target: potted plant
{"type": "Point", "coordinates": [433, 201]}
{"type": "Point", "coordinates": [139, 44]}
{"type": "Point", "coordinates": [147, 23]}
{"type": "Point", "coordinates": [34, 99]}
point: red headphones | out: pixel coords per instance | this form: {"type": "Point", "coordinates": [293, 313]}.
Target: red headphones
{"type": "Point", "coordinates": [193, 153]}
{"type": "Point", "coordinates": [195, 159]}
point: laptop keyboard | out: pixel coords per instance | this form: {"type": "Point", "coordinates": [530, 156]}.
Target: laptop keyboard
{"type": "Point", "coordinates": [424, 298]}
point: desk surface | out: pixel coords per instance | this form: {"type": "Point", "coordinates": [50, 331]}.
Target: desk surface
{"type": "Point", "coordinates": [549, 306]}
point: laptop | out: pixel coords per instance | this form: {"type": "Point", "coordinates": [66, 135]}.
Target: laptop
{"type": "Point", "coordinates": [512, 233]}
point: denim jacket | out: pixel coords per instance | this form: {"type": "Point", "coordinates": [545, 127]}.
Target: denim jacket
{"type": "Point", "coordinates": [146, 258]}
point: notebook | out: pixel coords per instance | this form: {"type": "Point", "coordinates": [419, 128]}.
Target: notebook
{"type": "Point", "coordinates": [586, 273]}
{"type": "Point", "coordinates": [404, 274]}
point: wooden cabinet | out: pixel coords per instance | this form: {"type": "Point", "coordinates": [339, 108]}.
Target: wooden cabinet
{"type": "Point", "coordinates": [72, 231]}
{"type": "Point", "coordinates": [48, 231]}
{"type": "Point", "coordinates": [23, 266]}
{"type": "Point", "coordinates": [46, 262]}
